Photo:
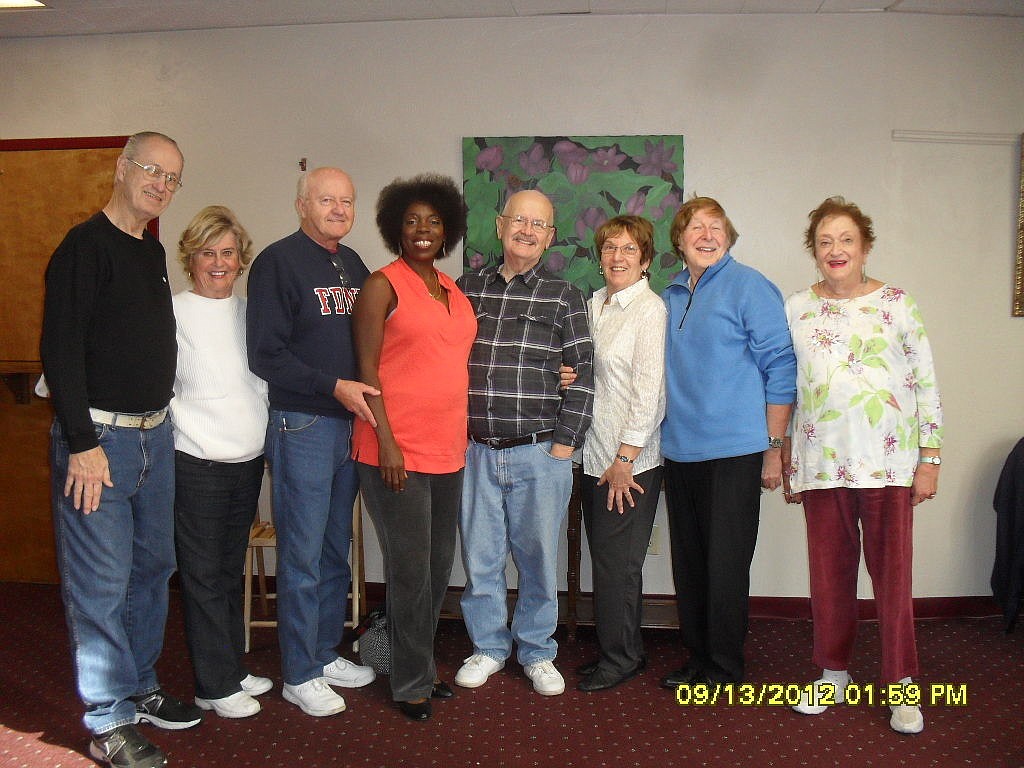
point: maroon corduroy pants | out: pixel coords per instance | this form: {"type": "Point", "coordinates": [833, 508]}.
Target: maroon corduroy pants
{"type": "Point", "coordinates": [836, 518]}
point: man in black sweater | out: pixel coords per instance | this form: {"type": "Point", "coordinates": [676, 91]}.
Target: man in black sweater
{"type": "Point", "coordinates": [108, 353]}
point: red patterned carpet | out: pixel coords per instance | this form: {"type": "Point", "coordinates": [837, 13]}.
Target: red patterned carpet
{"type": "Point", "coordinates": [505, 724]}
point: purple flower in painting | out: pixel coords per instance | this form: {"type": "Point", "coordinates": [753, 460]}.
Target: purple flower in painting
{"type": "Point", "coordinates": [576, 173]}
{"type": "Point", "coordinates": [555, 261]}
{"type": "Point", "coordinates": [669, 205]}
{"type": "Point", "coordinates": [591, 218]}
{"type": "Point", "coordinates": [534, 162]}
{"type": "Point", "coordinates": [569, 152]}
{"type": "Point", "coordinates": [607, 160]}
{"type": "Point", "coordinates": [890, 443]}
{"type": "Point", "coordinates": [491, 158]}
{"type": "Point", "coordinates": [476, 261]}
{"type": "Point", "coordinates": [656, 160]}
{"type": "Point", "coordinates": [635, 204]}
{"type": "Point", "coordinates": [808, 430]}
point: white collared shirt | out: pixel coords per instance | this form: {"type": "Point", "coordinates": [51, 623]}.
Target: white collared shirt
{"type": "Point", "coordinates": [629, 377]}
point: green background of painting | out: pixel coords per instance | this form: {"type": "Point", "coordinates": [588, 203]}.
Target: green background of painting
{"type": "Point", "coordinates": [570, 256]}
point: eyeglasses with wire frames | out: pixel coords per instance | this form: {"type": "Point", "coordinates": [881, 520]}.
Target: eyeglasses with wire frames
{"type": "Point", "coordinates": [520, 222]}
{"type": "Point", "coordinates": [171, 180]}
{"type": "Point", "coordinates": [608, 249]}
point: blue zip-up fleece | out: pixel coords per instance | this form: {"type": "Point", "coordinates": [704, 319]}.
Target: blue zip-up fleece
{"type": "Point", "coordinates": [728, 353]}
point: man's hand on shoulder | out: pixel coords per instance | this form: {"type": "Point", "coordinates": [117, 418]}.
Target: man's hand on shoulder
{"type": "Point", "coordinates": [352, 394]}
{"type": "Point", "coordinates": [88, 472]}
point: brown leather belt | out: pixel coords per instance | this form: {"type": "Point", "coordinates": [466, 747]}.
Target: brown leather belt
{"type": "Point", "coordinates": [501, 443]}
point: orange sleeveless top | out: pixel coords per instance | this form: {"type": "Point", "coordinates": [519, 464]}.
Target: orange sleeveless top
{"type": "Point", "coordinates": [424, 375]}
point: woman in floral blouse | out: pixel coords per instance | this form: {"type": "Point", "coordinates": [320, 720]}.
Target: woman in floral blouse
{"type": "Point", "coordinates": [864, 450]}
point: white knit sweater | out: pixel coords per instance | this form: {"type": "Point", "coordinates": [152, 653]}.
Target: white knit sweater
{"type": "Point", "coordinates": [219, 408]}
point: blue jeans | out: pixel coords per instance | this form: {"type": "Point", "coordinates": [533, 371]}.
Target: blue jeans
{"type": "Point", "coordinates": [513, 500]}
{"type": "Point", "coordinates": [315, 485]}
{"type": "Point", "coordinates": [114, 565]}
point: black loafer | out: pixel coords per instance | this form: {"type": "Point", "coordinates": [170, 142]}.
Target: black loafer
{"type": "Point", "coordinates": [684, 676]}
{"type": "Point", "coordinates": [415, 710]}
{"type": "Point", "coordinates": [602, 680]}
{"type": "Point", "coordinates": [591, 667]}
{"type": "Point", "coordinates": [441, 690]}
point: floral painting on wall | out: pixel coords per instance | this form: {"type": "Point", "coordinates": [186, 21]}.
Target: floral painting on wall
{"type": "Point", "coordinates": [589, 179]}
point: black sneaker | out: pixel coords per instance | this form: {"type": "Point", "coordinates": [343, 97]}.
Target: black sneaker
{"type": "Point", "coordinates": [164, 711]}
{"type": "Point", "coordinates": [126, 747]}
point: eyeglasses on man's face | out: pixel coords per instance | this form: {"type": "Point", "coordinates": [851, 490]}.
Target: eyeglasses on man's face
{"type": "Point", "coordinates": [171, 180]}
{"type": "Point", "coordinates": [520, 222]}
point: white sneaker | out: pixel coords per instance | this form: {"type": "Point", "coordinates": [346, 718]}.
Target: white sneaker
{"type": "Point", "coordinates": [254, 685]}
{"type": "Point", "coordinates": [314, 697]}
{"type": "Point", "coordinates": [476, 669]}
{"type": "Point", "coordinates": [906, 719]}
{"type": "Point", "coordinates": [823, 689]}
{"type": "Point", "coordinates": [348, 675]}
{"type": "Point", "coordinates": [239, 704]}
{"type": "Point", "coordinates": [547, 681]}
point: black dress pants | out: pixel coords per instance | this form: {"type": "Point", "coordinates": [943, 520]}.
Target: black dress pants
{"type": "Point", "coordinates": [618, 548]}
{"type": "Point", "coordinates": [713, 510]}
{"type": "Point", "coordinates": [214, 506]}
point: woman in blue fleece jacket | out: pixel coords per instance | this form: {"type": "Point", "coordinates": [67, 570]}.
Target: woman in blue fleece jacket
{"type": "Point", "coordinates": [731, 383]}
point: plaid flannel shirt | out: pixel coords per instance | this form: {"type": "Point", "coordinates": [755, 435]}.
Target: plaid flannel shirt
{"type": "Point", "coordinates": [526, 329]}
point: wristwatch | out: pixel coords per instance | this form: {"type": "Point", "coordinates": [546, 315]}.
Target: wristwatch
{"type": "Point", "coordinates": [930, 460]}
{"type": "Point", "coordinates": [775, 442]}
{"type": "Point", "coordinates": [625, 459]}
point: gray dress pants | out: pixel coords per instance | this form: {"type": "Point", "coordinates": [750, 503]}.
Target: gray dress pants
{"type": "Point", "coordinates": [416, 529]}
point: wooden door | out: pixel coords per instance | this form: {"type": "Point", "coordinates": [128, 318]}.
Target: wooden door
{"type": "Point", "coordinates": [46, 187]}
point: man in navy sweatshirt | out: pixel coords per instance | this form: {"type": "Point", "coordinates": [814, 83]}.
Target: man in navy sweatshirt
{"type": "Point", "coordinates": [299, 338]}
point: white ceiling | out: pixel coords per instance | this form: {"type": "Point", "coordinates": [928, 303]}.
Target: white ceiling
{"type": "Point", "coordinates": [90, 17]}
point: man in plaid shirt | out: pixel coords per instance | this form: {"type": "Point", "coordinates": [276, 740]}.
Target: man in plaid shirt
{"type": "Point", "coordinates": [523, 430]}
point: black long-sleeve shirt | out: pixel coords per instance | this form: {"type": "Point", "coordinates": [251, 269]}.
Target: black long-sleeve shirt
{"type": "Point", "coordinates": [108, 327]}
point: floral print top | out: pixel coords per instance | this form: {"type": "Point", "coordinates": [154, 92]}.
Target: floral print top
{"type": "Point", "coordinates": [866, 392]}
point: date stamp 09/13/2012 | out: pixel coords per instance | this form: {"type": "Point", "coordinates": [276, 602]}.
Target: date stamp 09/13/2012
{"type": "Point", "coordinates": [789, 694]}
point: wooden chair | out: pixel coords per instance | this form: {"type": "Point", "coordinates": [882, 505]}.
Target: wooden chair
{"type": "Point", "coordinates": [263, 536]}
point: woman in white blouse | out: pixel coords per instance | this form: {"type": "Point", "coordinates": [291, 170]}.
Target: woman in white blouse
{"type": "Point", "coordinates": [621, 457]}
{"type": "Point", "coordinates": [219, 410]}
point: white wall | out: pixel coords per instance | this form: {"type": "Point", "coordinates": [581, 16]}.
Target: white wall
{"type": "Point", "coordinates": [778, 112]}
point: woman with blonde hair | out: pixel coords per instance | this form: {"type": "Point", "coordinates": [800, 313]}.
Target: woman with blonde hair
{"type": "Point", "coordinates": [219, 410]}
